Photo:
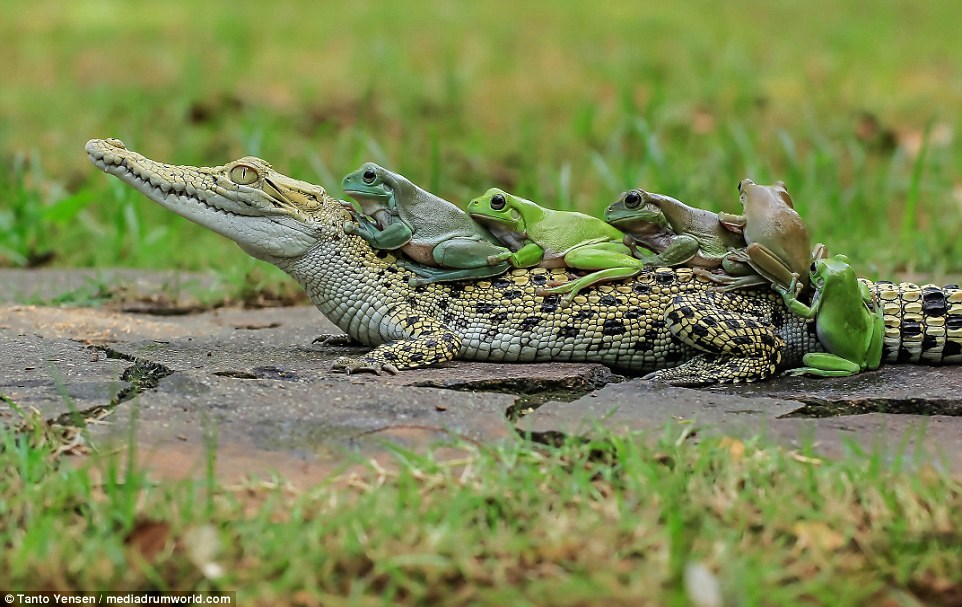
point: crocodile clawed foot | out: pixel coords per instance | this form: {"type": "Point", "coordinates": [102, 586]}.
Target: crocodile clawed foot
{"type": "Point", "coordinates": [334, 340]}
{"type": "Point", "coordinates": [350, 365]}
{"type": "Point", "coordinates": [679, 381]}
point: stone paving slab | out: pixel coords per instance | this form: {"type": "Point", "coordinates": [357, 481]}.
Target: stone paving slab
{"type": "Point", "coordinates": [53, 375]}
{"type": "Point", "coordinates": [774, 409]}
{"type": "Point", "coordinates": [254, 379]}
{"type": "Point", "coordinates": [282, 425]}
{"type": "Point", "coordinates": [906, 389]}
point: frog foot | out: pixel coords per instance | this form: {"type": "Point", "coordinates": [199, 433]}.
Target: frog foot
{"type": "Point", "coordinates": [335, 340]}
{"type": "Point", "coordinates": [349, 365]}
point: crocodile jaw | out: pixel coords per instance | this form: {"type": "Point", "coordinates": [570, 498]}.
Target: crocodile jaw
{"type": "Point", "coordinates": [259, 217]}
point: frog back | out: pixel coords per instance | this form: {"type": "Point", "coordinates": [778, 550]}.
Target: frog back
{"type": "Point", "coordinates": [713, 238]}
{"type": "Point", "coordinates": [433, 219]}
{"type": "Point", "coordinates": [844, 324]}
{"type": "Point", "coordinates": [558, 232]}
{"type": "Point", "coordinates": [771, 220]}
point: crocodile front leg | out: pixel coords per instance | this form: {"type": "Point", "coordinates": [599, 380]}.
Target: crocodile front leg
{"type": "Point", "coordinates": [428, 343]}
{"type": "Point", "coordinates": [735, 332]}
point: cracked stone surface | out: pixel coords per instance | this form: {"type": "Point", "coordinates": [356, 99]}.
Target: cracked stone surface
{"type": "Point", "coordinates": [781, 410]}
{"type": "Point", "coordinates": [255, 381]}
{"type": "Point", "coordinates": [53, 375]}
{"type": "Point", "coordinates": [250, 387]}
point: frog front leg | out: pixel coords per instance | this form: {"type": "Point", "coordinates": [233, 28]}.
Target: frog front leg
{"type": "Point", "coordinates": [392, 237]}
{"type": "Point", "coordinates": [683, 248]}
{"type": "Point", "coordinates": [769, 265]}
{"type": "Point", "coordinates": [528, 255]}
{"type": "Point", "coordinates": [797, 307]}
{"type": "Point", "coordinates": [733, 223]}
{"type": "Point", "coordinates": [613, 260]}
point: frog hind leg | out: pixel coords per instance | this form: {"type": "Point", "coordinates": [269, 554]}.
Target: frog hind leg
{"type": "Point", "coordinates": [735, 333]}
{"type": "Point", "coordinates": [682, 249]}
{"type": "Point", "coordinates": [465, 253]}
{"type": "Point", "coordinates": [756, 264]}
{"type": "Point", "coordinates": [736, 276]}
{"type": "Point", "coordinates": [737, 272]}
{"type": "Point", "coordinates": [768, 264]}
{"type": "Point", "coordinates": [427, 275]}
{"type": "Point", "coordinates": [613, 261]}
{"type": "Point", "coordinates": [873, 357]}
{"type": "Point", "coordinates": [823, 364]}
{"type": "Point", "coordinates": [573, 287]}
{"type": "Point", "coordinates": [459, 259]}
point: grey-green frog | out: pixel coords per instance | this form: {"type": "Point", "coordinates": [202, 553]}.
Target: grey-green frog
{"type": "Point", "coordinates": [678, 233]}
{"type": "Point", "coordinates": [443, 240]}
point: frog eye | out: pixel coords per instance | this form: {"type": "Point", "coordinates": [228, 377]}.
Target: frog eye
{"type": "Point", "coordinates": [369, 176]}
{"type": "Point", "coordinates": [498, 202]}
{"type": "Point", "coordinates": [813, 268]}
{"type": "Point", "coordinates": [632, 199]}
{"type": "Point", "coordinates": [243, 174]}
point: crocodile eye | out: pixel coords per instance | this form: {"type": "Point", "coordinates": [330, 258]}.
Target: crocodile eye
{"type": "Point", "coordinates": [497, 202]}
{"type": "Point", "coordinates": [632, 199]}
{"type": "Point", "coordinates": [243, 174]}
{"type": "Point", "coordinates": [369, 176]}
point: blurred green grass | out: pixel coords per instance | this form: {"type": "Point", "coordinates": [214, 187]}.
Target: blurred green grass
{"type": "Point", "coordinates": [568, 102]}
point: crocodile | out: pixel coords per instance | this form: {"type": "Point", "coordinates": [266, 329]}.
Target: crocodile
{"type": "Point", "coordinates": [664, 322]}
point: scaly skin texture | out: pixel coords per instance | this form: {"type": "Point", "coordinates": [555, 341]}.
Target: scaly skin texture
{"type": "Point", "coordinates": [661, 319]}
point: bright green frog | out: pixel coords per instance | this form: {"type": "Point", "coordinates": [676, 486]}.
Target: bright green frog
{"type": "Point", "coordinates": [554, 239]}
{"type": "Point", "coordinates": [848, 322]}
{"type": "Point", "coordinates": [440, 237]}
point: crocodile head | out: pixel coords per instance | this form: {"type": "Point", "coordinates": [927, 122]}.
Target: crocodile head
{"type": "Point", "coordinates": [269, 215]}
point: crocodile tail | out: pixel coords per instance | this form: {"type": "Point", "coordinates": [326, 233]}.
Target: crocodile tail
{"type": "Point", "coordinates": [923, 324]}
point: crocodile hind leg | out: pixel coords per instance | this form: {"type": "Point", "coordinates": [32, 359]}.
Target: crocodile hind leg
{"type": "Point", "coordinates": [735, 332]}
{"type": "Point", "coordinates": [425, 342]}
